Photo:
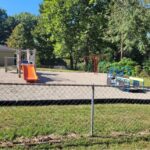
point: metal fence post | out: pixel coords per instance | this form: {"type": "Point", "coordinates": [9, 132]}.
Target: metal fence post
{"type": "Point", "coordinates": [92, 111]}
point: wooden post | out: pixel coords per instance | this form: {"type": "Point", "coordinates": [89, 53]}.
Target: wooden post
{"type": "Point", "coordinates": [5, 61]}
{"type": "Point", "coordinates": [34, 56]}
{"type": "Point", "coordinates": [19, 63]}
{"type": "Point", "coordinates": [28, 55]}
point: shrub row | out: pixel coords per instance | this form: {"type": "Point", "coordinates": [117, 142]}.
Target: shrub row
{"type": "Point", "coordinates": [127, 65]}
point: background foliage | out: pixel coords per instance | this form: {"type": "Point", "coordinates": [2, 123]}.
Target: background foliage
{"type": "Point", "coordinates": [68, 30]}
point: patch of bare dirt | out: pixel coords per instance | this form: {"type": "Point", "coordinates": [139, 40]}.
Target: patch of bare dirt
{"type": "Point", "coordinates": [51, 139]}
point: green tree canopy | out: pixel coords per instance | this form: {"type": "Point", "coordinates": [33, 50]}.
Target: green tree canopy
{"type": "Point", "coordinates": [43, 44]}
{"type": "Point", "coordinates": [18, 38]}
{"type": "Point", "coordinates": [76, 26]}
{"type": "Point", "coordinates": [7, 24]}
{"type": "Point", "coordinates": [22, 34]}
{"type": "Point", "coordinates": [128, 26]}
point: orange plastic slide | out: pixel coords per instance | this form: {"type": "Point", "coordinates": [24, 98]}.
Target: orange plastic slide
{"type": "Point", "coordinates": [29, 73]}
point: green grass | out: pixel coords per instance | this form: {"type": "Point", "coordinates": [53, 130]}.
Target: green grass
{"type": "Point", "coordinates": [147, 81]}
{"type": "Point", "coordinates": [115, 125]}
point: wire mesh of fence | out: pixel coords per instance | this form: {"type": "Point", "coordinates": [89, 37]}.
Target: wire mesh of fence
{"type": "Point", "coordinates": [10, 63]}
{"type": "Point", "coordinates": [41, 92]}
{"type": "Point", "coordinates": [61, 111]}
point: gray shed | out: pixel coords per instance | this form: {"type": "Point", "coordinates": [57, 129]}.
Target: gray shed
{"type": "Point", "coordinates": [6, 52]}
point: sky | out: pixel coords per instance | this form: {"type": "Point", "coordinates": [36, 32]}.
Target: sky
{"type": "Point", "coordinates": [32, 6]}
{"type": "Point", "coordinates": [13, 7]}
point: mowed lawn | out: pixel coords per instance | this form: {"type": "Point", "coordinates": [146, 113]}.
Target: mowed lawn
{"type": "Point", "coordinates": [147, 81]}
{"type": "Point", "coordinates": [117, 125]}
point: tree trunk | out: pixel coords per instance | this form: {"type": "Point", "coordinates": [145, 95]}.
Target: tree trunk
{"type": "Point", "coordinates": [71, 61]}
{"type": "Point", "coordinates": [121, 53]}
{"type": "Point", "coordinates": [75, 65]}
{"type": "Point", "coordinates": [121, 48]}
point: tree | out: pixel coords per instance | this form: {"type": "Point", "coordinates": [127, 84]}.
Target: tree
{"type": "Point", "coordinates": [11, 24]}
{"type": "Point", "coordinates": [128, 26]}
{"type": "Point", "coordinates": [18, 38]}
{"type": "Point", "coordinates": [60, 23]}
{"type": "Point", "coordinates": [43, 44]}
{"type": "Point", "coordinates": [3, 18]}
{"type": "Point", "coordinates": [76, 26]}
{"type": "Point", "coordinates": [21, 36]}
{"type": "Point", "coordinates": [29, 22]}
{"type": "Point", "coordinates": [7, 24]}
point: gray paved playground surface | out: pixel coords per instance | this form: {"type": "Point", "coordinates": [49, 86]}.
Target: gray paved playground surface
{"type": "Point", "coordinates": [47, 77]}
{"type": "Point", "coordinates": [36, 92]}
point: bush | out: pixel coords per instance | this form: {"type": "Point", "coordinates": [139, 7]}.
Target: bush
{"type": "Point", "coordinates": [89, 67]}
{"type": "Point", "coordinates": [127, 65]}
{"type": "Point", "coordinates": [37, 62]}
{"type": "Point", "coordinates": [59, 62]}
{"type": "Point", "coordinates": [81, 66]}
{"type": "Point", "coordinates": [144, 74]}
{"type": "Point", "coordinates": [103, 66]}
{"type": "Point", "coordinates": [137, 69]}
{"type": "Point", "coordinates": [127, 62]}
{"type": "Point", "coordinates": [146, 66]}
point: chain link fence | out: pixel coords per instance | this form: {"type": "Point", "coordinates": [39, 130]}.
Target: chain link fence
{"type": "Point", "coordinates": [37, 113]}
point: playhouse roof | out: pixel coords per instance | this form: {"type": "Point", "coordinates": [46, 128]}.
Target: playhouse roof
{"type": "Point", "coordinates": [6, 49]}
